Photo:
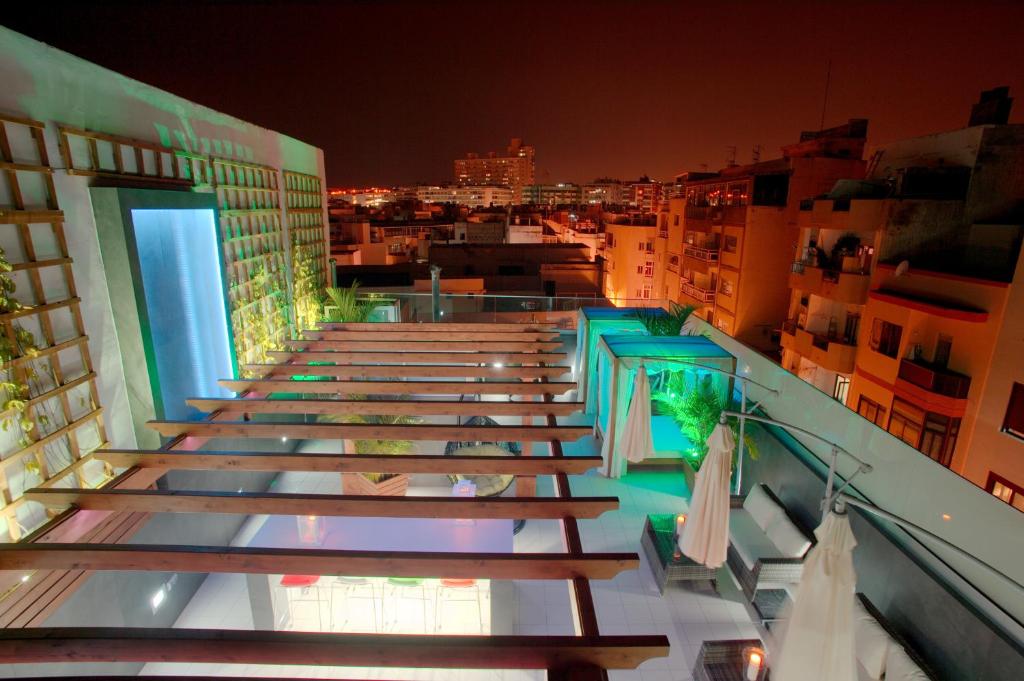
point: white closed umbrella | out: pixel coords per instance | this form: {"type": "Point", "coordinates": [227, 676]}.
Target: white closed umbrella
{"type": "Point", "coordinates": [705, 536]}
{"type": "Point", "coordinates": [636, 439]}
{"type": "Point", "coordinates": [819, 636]}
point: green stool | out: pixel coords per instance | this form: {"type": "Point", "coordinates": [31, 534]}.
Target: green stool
{"type": "Point", "coordinates": [403, 589]}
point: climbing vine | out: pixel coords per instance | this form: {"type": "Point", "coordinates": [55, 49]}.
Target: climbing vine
{"type": "Point", "coordinates": [264, 313]}
{"type": "Point", "coordinates": [308, 296]}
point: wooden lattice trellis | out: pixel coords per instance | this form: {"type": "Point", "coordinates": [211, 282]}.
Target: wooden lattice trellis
{"type": "Point", "coordinates": [51, 416]}
{"type": "Point", "coordinates": [304, 209]}
{"type": "Point", "coordinates": [254, 255]}
{"type": "Point", "coordinates": [87, 152]}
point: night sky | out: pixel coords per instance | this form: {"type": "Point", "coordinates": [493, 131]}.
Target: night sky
{"type": "Point", "coordinates": [393, 92]}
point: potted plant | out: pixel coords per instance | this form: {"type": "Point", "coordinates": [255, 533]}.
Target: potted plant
{"type": "Point", "coordinates": [844, 253]}
{"type": "Point", "coordinates": [661, 323]}
{"type": "Point", "coordinates": [696, 411]}
{"type": "Point", "coordinates": [380, 484]}
{"type": "Point", "coordinates": [343, 305]}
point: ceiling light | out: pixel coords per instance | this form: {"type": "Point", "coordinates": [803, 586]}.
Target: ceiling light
{"type": "Point", "coordinates": [158, 598]}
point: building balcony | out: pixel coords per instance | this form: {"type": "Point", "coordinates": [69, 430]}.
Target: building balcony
{"type": "Point", "coordinates": [829, 353]}
{"type": "Point", "coordinates": [734, 215]}
{"type": "Point", "coordinates": [932, 387]}
{"type": "Point", "coordinates": [844, 287]}
{"type": "Point", "coordinates": [708, 255]}
{"type": "Point", "coordinates": [701, 295]}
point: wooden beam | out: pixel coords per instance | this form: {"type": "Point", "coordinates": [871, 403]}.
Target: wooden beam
{"type": "Point", "coordinates": [401, 407]}
{"type": "Point", "coordinates": [435, 326]}
{"type": "Point", "coordinates": [397, 387]}
{"type": "Point", "coordinates": [182, 501]}
{"type": "Point", "coordinates": [397, 357]}
{"type": "Point", "coordinates": [442, 345]}
{"type": "Point", "coordinates": [368, 431]}
{"type": "Point", "coordinates": [378, 371]}
{"type": "Point", "coordinates": [346, 463]}
{"type": "Point", "coordinates": [236, 646]}
{"type": "Point", "coordinates": [413, 334]}
{"type": "Point", "coordinates": [313, 561]}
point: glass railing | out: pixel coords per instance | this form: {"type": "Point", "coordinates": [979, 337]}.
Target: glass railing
{"type": "Point", "coordinates": [909, 485]}
{"type": "Point", "coordinates": [461, 307]}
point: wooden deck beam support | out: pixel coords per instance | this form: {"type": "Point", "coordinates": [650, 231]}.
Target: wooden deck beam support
{"type": "Point", "coordinates": [413, 334]}
{"type": "Point", "coordinates": [234, 646]}
{"type": "Point", "coordinates": [180, 501]}
{"type": "Point", "coordinates": [313, 561]}
{"type": "Point", "coordinates": [378, 371]}
{"type": "Point", "coordinates": [346, 463]}
{"type": "Point", "coordinates": [367, 407]}
{"type": "Point", "coordinates": [398, 356]}
{"type": "Point", "coordinates": [396, 387]}
{"type": "Point", "coordinates": [436, 326]}
{"type": "Point", "coordinates": [367, 431]}
{"type": "Point", "coordinates": [441, 345]}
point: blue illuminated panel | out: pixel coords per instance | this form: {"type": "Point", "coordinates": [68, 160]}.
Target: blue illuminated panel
{"type": "Point", "coordinates": [188, 338]}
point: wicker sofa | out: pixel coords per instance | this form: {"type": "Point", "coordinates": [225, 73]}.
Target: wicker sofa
{"type": "Point", "coordinates": [881, 653]}
{"type": "Point", "coordinates": [767, 545]}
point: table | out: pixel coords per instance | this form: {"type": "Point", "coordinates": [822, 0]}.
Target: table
{"type": "Point", "coordinates": [367, 534]}
{"type": "Point", "coordinates": [667, 563]}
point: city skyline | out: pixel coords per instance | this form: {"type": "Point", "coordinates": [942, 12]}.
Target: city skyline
{"type": "Point", "coordinates": [391, 104]}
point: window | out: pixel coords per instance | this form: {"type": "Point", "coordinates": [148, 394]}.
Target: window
{"type": "Point", "coordinates": [731, 244]}
{"type": "Point", "coordinates": [641, 246]}
{"type": "Point", "coordinates": [841, 389]}
{"type": "Point", "coordinates": [609, 239]}
{"type": "Point", "coordinates": [1002, 488]}
{"type": "Point", "coordinates": [649, 269]}
{"type": "Point", "coordinates": [725, 287]}
{"type": "Point", "coordinates": [871, 410]}
{"type": "Point", "coordinates": [932, 434]}
{"type": "Point", "coordinates": [1013, 422]}
{"type": "Point", "coordinates": [675, 220]}
{"type": "Point", "coordinates": [885, 337]}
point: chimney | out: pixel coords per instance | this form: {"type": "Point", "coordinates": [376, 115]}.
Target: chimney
{"type": "Point", "coordinates": [993, 107]}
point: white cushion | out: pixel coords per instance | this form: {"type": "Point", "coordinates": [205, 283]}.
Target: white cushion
{"type": "Point", "coordinates": [862, 674]}
{"type": "Point", "coordinates": [787, 538]}
{"type": "Point", "coordinates": [749, 540]}
{"type": "Point", "coordinates": [761, 507]}
{"type": "Point", "coordinates": [871, 642]}
{"type": "Point", "coordinates": [899, 666]}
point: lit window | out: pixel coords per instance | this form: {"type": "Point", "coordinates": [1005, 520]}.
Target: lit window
{"type": "Point", "coordinates": [1003, 489]}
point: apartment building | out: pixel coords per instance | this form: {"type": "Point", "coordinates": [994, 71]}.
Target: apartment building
{"type": "Point", "coordinates": [473, 196]}
{"type": "Point", "coordinates": [603, 192]}
{"type": "Point", "coordinates": [560, 194]}
{"type": "Point", "coordinates": [644, 195]}
{"type": "Point", "coordinates": [740, 229]}
{"type": "Point", "coordinates": [927, 342]}
{"type": "Point", "coordinates": [629, 259]}
{"type": "Point", "coordinates": [515, 169]}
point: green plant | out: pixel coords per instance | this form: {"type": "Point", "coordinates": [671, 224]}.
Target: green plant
{"type": "Point", "coordinates": [308, 297]}
{"type": "Point", "coordinates": [696, 410]}
{"type": "Point", "coordinates": [344, 305]}
{"type": "Point", "coordinates": [661, 323]}
{"type": "Point", "coordinates": [377, 446]}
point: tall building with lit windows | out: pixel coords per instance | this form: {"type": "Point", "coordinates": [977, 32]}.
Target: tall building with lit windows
{"type": "Point", "coordinates": [515, 169]}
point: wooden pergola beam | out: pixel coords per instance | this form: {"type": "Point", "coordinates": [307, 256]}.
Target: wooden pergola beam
{"type": "Point", "coordinates": [378, 371]}
{"type": "Point", "coordinates": [235, 646]}
{"type": "Point", "coordinates": [346, 463]}
{"type": "Point", "coordinates": [398, 356]}
{"type": "Point", "coordinates": [313, 561]}
{"type": "Point", "coordinates": [396, 387]}
{"type": "Point", "coordinates": [368, 431]}
{"type": "Point", "coordinates": [180, 501]}
{"type": "Point", "coordinates": [441, 345]}
{"type": "Point", "coordinates": [365, 407]}
{"type": "Point", "coordinates": [436, 326]}
{"type": "Point", "coordinates": [314, 337]}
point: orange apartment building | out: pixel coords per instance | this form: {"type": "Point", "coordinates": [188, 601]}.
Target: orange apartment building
{"type": "Point", "coordinates": [630, 270]}
{"type": "Point", "coordinates": [906, 303]}
{"type": "Point", "coordinates": [739, 229]}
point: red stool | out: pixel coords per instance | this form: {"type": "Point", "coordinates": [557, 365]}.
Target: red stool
{"type": "Point", "coordinates": [457, 590]}
{"type": "Point", "coordinates": [303, 589]}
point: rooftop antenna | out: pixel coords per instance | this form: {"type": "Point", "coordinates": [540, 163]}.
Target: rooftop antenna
{"type": "Point", "coordinates": [730, 159]}
{"type": "Point", "coordinates": [755, 155]}
{"type": "Point", "coordinates": [824, 103]}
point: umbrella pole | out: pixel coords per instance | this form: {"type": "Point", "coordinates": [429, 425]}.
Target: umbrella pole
{"type": "Point", "coordinates": [739, 450]}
